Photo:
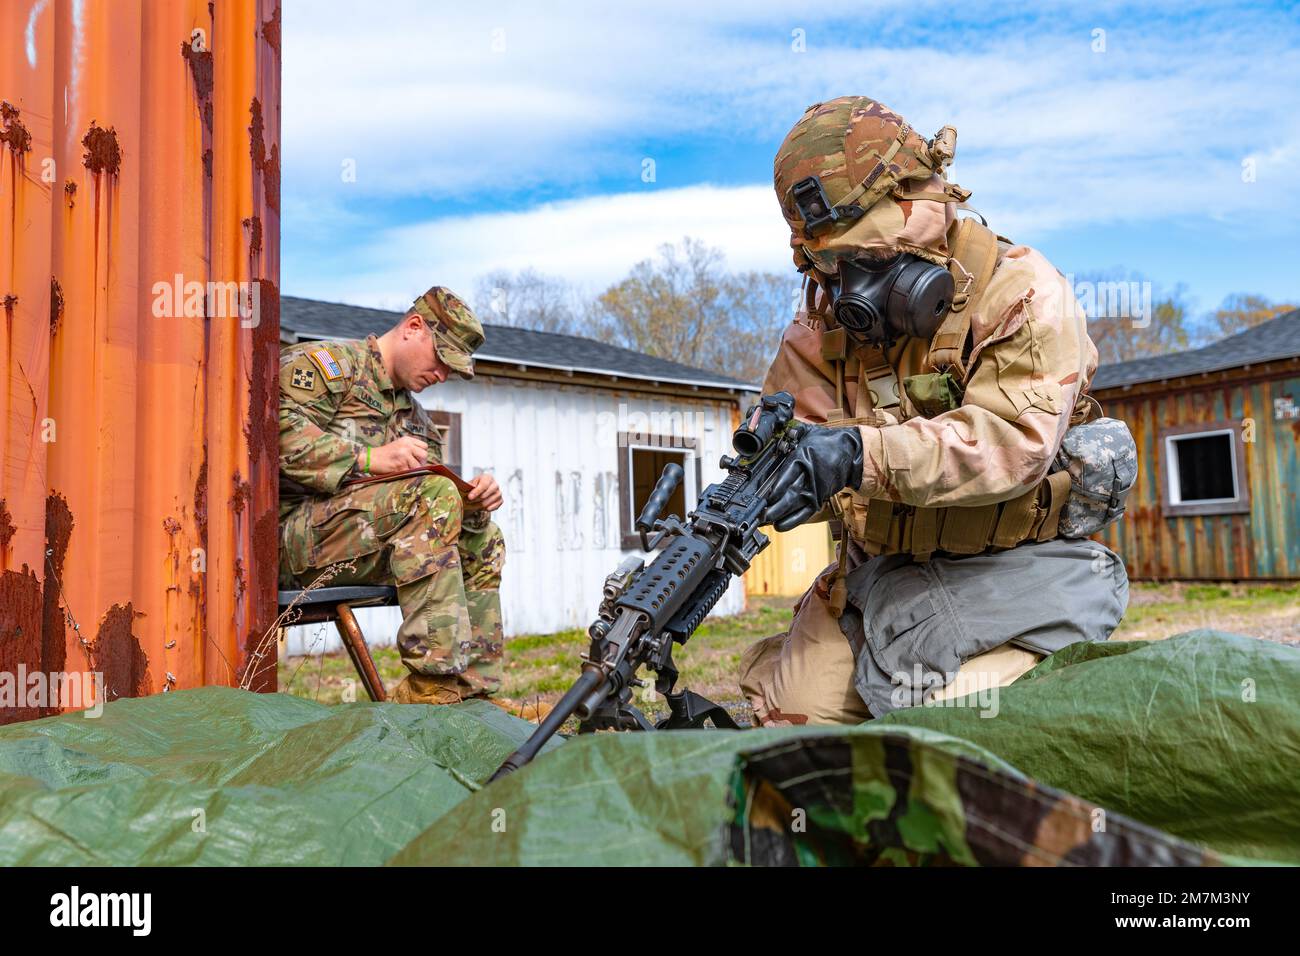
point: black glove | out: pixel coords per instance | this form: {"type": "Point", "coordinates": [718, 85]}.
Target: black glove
{"type": "Point", "coordinates": [825, 461]}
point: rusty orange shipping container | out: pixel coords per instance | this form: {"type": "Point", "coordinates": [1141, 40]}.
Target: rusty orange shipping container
{"type": "Point", "coordinates": [139, 267]}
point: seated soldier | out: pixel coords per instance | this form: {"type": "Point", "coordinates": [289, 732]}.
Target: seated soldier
{"type": "Point", "coordinates": [347, 412]}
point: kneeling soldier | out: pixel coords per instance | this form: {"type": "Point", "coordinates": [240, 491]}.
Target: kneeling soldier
{"type": "Point", "coordinates": [346, 412]}
{"type": "Point", "coordinates": [940, 368]}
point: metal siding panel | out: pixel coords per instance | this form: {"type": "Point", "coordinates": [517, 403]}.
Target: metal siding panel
{"type": "Point", "coordinates": [537, 428]}
{"type": "Point", "coordinates": [1274, 507]}
{"type": "Point", "coordinates": [1262, 544]}
{"type": "Point", "coordinates": [165, 426]}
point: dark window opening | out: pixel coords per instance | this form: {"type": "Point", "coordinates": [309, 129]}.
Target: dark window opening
{"type": "Point", "coordinates": [1205, 468]}
{"type": "Point", "coordinates": [638, 473]}
{"type": "Point", "coordinates": [647, 465]}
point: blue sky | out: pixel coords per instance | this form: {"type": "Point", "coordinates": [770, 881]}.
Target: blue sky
{"type": "Point", "coordinates": [430, 143]}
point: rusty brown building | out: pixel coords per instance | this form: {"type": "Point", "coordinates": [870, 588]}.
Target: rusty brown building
{"type": "Point", "coordinates": [1218, 436]}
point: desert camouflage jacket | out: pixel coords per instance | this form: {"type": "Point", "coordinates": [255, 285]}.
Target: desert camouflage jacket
{"type": "Point", "coordinates": [335, 399]}
{"type": "Point", "coordinates": [1030, 361]}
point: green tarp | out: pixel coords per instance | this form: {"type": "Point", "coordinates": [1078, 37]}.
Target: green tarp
{"type": "Point", "coordinates": [1178, 751]}
{"type": "Point", "coordinates": [221, 776]}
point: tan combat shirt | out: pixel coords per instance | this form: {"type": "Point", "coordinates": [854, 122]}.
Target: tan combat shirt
{"type": "Point", "coordinates": [1031, 360]}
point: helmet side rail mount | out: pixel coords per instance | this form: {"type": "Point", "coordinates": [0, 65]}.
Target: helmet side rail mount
{"type": "Point", "coordinates": [816, 210]}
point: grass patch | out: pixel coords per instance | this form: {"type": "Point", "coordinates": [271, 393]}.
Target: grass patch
{"type": "Point", "coordinates": [542, 666]}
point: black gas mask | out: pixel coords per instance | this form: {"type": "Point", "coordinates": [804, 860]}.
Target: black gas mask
{"type": "Point", "coordinates": [880, 303]}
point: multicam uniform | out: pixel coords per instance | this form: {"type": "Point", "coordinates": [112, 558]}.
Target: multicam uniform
{"type": "Point", "coordinates": [335, 399]}
{"type": "Point", "coordinates": [950, 550]}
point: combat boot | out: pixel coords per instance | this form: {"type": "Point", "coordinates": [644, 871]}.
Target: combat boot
{"type": "Point", "coordinates": [534, 712]}
{"type": "Point", "coordinates": [430, 689]}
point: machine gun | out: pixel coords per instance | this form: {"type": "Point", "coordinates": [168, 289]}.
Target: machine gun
{"type": "Point", "coordinates": [646, 609]}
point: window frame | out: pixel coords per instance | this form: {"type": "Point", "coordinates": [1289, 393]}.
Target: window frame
{"type": "Point", "coordinates": [1170, 507]}
{"type": "Point", "coordinates": [628, 442]}
{"type": "Point", "coordinates": [451, 421]}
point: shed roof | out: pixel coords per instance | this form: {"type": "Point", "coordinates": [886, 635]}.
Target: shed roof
{"type": "Point", "coordinates": [311, 319]}
{"type": "Point", "coordinates": [1275, 339]}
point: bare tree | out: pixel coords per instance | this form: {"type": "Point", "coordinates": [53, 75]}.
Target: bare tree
{"type": "Point", "coordinates": [685, 306]}
{"type": "Point", "coordinates": [529, 300]}
{"type": "Point", "coordinates": [759, 305]}
{"type": "Point", "coordinates": [667, 307]}
{"type": "Point", "coordinates": [1243, 310]}
{"type": "Point", "coordinates": [1123, 338]}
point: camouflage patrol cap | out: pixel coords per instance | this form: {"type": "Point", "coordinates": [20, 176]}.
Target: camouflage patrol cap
{"type": "Point", "coordinates": [884, 181]}
{"type": "Point", "coordinates": [457, 334]}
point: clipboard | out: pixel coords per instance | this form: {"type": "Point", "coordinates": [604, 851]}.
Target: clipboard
{"type": "Point", "coordinates": [461, 484]}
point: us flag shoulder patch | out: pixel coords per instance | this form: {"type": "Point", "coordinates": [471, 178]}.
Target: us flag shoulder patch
{"type": "Point", "coordinates": [329, 365]}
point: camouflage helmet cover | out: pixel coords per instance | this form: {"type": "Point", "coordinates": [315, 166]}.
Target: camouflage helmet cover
{"type": "Point", "coordinates": [867, 156]}
{"type": "Point", "coordinates": [457, 334]}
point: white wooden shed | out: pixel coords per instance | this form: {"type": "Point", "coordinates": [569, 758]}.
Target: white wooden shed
{"type": "Point", "coordinates": [576, 432]}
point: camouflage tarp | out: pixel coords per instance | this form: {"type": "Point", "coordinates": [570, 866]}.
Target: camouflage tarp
{"type": "Point", "coordinates": [1198, 735]}
{"type": "Point", "coordinates": [1178, 751]}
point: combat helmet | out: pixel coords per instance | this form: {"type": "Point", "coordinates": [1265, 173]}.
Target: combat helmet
{"type": "Point", "coordinates": [852, 177]}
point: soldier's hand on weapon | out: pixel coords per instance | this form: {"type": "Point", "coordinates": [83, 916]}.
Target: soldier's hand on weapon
{"type": "Point", "coordinates": [826, 460]}
{"type": "Point", "coordinates": [485, 495]}
{"type": "Point", "coordinates": [403, 454]}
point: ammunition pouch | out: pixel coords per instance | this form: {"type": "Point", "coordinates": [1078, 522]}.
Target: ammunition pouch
{"type": "Point", "coordinates": [887, 527]}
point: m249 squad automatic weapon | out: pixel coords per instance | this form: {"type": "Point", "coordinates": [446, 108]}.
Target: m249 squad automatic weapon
{"type": "Point", "coordinates": [646, 609]}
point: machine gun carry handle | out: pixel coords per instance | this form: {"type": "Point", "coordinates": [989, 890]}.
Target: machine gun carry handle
{"type": "Point", "coordinates": [663, 491]}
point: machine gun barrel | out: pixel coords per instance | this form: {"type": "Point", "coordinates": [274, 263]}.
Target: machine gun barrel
{"type": "Point", "coordinates": [585, 684]}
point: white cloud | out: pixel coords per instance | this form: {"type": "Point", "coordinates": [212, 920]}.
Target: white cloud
{"type": "Point", "coordinates": [591, 242]}
{"type": "Point", "coordinates": [1052, 135]}
{"type": "Point", "coordinates": [423, 102]}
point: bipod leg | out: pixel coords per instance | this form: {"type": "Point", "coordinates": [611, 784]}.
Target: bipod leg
{"type": "Point", "coordinates": [688, 710]}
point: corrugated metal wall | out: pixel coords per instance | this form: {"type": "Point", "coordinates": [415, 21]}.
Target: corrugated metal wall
{"type": "Point", "coordinates": [1261, 544]}
{"type": "Point", "coordinates": [553, 449]}
{"type": "Point", "coordinates": [137, 498]}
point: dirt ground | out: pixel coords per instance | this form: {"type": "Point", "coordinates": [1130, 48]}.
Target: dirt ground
{"type": "Point", "coordinates": [540, 667]}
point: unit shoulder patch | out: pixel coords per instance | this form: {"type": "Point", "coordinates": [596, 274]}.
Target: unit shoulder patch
{"type": "Point", "coordinates": [304, 378]}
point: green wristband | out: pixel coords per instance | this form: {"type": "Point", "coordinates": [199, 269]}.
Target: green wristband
{"type": "Point", "coordinates": [367, 459]}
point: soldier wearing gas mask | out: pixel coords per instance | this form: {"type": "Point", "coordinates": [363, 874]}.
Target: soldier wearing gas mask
{"type": "Point", "coordinates": [939, 366]}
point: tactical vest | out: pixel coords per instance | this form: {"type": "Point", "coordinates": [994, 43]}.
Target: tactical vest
{"type": "Point", "coordinates": [885, 527]}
